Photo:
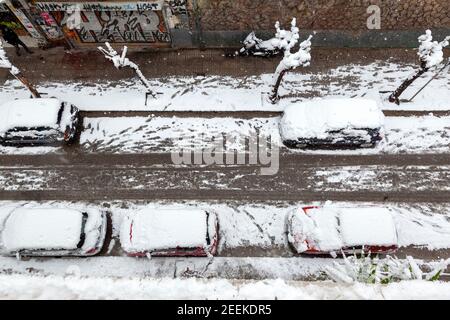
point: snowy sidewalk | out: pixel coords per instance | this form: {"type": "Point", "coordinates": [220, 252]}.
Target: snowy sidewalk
{"type": "Point", "coordinates": [57, 65]}
{"type": "Point", "coordinates": [208, 81]}
{"type": "Point", "coordinates": [225, 93]}
{"type": "Point", "coordinates": [51, 287]}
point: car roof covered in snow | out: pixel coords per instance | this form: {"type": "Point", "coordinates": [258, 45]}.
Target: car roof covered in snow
{"type": "Point", "coordinates": [29, 113]}
{"type": "Point", "coordinates": [42, 228]}
{"type": "Point", "coordinates": [159, 229]}
{"type": "Point", "coordinates": [367, 226]}
{"type": "Point", "coordinates": [316, 118]}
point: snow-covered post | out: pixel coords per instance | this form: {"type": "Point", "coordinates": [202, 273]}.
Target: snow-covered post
{"type": "Point", "coordinates": [430, 55]}
{"type": "Point", "coordinates": [290, 60]}
{"type": "Point", "coordinates": [120, 61]}
{"type": "Point", "coordinates": [15, 72]}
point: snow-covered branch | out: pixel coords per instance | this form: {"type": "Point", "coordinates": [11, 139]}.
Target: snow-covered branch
{"type": "Point", "coordinates": [290, 61]}
{"type": "Point", "coordinates": [120, 61]}
{"type": "Point", "coordinates": [430, 54]}
{"type": "Point", "coordinates": [15, 72]}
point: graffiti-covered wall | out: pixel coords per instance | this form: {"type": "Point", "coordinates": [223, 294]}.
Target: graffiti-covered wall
{"type": "Point", "coordinates": [121, 22]}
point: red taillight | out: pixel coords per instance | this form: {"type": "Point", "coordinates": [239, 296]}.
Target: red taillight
{"type": "Point", "coordinates": [305, 209]}
{"type": "Point", "coordinates": [91, 251]}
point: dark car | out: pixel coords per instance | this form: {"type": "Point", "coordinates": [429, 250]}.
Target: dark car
{"type": "Point", "coordinates": [332, 124]}
{"type": "Point", "coordinates": [30, 122]}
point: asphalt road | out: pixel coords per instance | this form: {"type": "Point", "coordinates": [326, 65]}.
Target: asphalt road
{"type": "Point", "coordinates": [77, 176]}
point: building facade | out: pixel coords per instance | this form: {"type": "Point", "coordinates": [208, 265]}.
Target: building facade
{"type": "Point", "coordinates": [213, 23]}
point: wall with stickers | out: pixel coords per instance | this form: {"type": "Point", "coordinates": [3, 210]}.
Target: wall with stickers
{"type": "Point", "coordinates": [116, 22]}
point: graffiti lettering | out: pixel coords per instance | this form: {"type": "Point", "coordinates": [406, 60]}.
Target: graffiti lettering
{"type": "Point", "coordinates": [101, 6]}
{"type": "Point", "coordinates": [122, 26]}
{"type": "Point", "coordinates": [178, 6]}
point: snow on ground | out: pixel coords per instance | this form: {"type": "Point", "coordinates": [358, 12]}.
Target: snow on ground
{"type": "Point", "coordinates": [28, 150]}
{"type": "Point", "coordinates": [54, 287]}
{"type": "Point", "coordinates": [426, 134]}
{"type": "Point", "coordinates": [143, 134]}
{"type": "Point", "coordinates": [298, 268]}
{"type": "Point", "coordinates": [215, 93]}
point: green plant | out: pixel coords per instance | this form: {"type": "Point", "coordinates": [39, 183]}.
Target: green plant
{"type": "Point", "coordinates": [368, 269]}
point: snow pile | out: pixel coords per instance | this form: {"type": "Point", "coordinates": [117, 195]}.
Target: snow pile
{"type": "Point", "coordinates": [430, 52]}
{"type": "Point", "coordinates": [5, 63]}
{"type": "Point", "coordinates": [152, 229]}
{"type": "Point", "coordinates": [34, 287]}
{"type": "Point", "coordinates": [29, 113]}
{"type": "Point", "coordinates": [316, 118]}
{"type": "Point", "coordinates": [42, 228]}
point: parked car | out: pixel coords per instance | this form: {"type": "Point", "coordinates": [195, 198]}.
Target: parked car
{"type": "Point", "coordinates": [44, 231]}
{"type": "Point", "coordinates": [328, 230]}
{"type": "Point", "coordinates": [170, 232]}
{"type": "Point", "coordinates": [332, 123]}
{"type": "Point", "coordinates": [38, 122]}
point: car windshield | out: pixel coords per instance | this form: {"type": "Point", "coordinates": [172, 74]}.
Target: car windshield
{"type": "Point", "coordinates": [60, 112]}
{"type": "Point", "coordinates": [208, 239]}
{"type": "Point", "coordinates": [83, 232]}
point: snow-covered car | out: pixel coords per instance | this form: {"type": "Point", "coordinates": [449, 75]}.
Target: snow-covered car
{"type": "Point", "coordinates": [170, 232]}
{"type": "Point", "coordinates": [332, 123]}
{"type": "Point", "coordinates": [332, 230]}
{"type": "Point", "coordinates": [44, 231]}
{"type": "Point", "coordinates": [38, 122]}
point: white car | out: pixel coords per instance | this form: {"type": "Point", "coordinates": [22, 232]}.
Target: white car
{"type": "Point", "coordinates": [332, 123]}
{"type": "Point", "coordinates": [44, 231]}
{"type": "Point", "coordinates": [329, 229]}
{"type": "Point", "coordinates": [170, 232]}
{"type": "Point", "coordinates": [38, 122]}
